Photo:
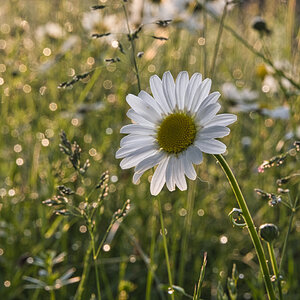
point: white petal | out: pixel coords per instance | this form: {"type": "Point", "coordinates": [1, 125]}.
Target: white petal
{"type": "Point", "coordinates": [182, 82]}
{"type": "Point", "coordinates": [138, 129]}
{"type": "Point", "coordinates": [133, 139]}
{"type": "Point", "coordinates": [192, 87]}
{"type": "Point", "coordinates": [211, 146]}
{"type": "Point", "coordinates": [135, 117]}
{"type": "Point", "coordinates": [150, 100]}
{"type": "Point", "coordinates": [169, 89]}
{"type": "Point", "coordinates": [210, 99]}
{"type": "Point", "coordinates": [136, 177]}
{"type": "Point", "coordinates": [143, 108]}
{"type": "Point", "coordinates": [170, 180]}
{"type": "Point", "coordinates": [130, 150]}
{"type": "Point", "coordinates": [213, 132]}
{"type": "Point", "coordinates": [157, 91]}
{"type": "Point", "coordinates": [149, 162]}
{"type": "Point", "coordinates": [159, 177]}
{"type": "Point", "coordinates": [222, 120]}
{"type": "Point", "coordinates": [133, 160]}
{"type": "Point", "coordinates": [188, 167]}
{"type": "Point", "coordinates": [205, 115]}
{"type": "Point", "coordinates": [194, 155]}
{"type": "Point", "coordinates": [179, 174]}
{"type": "Point", "coordinates": [201, 93]}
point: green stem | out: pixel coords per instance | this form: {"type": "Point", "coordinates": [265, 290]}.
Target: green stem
{"type": "Point", "coordinates": [150, 269]}
{"type": "Point", "coordinates": [286, 240]}
{"type": "Point", "coordinates": [95, 265]}
{"type": "Point", "coordinates": [186, 232]}
{"type": "Point", "coordinates": [52, 295]}
{"type": "Point", "coordinates": [89, 85]}
{"type": "Point", "coordinates": [166, 248]}
{"type": "Point", "coordinates": [217, 46]}
{"type": "Point", "coordinates": [294, 209]}
{"type": "Point", "coordinates": [275, 267]}
{"type": "Point", "coordinates": [145, 258]}
{"type": "Point", "coordinates": [132, 49]}
{"type": "Point", "coordinates": [250, 225]}
{"type": "Point", "coordinates": [84, 276]}
{"type": "Point", "coordinates": [103, 239]}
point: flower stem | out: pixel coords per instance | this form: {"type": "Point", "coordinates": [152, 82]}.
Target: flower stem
{"type": "Point", "coordinates": [275, 268]}
{"type": "Point", "coordinates": [165, 247]}
{"type": "Point", "coordinates": [250, 225]}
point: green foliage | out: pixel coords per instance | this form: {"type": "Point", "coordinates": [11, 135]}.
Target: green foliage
{"type": "Point", "coordinates": [55, 196]}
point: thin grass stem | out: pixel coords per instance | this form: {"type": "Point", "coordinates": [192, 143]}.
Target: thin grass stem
{"type": "Point", "coordinates": [275, 267]}
{"type": "Point", "coordinates": [95, 264]}
{"type": "Point", "coordinates": [218, 41]}
{"type": "Point", "coordinates": [52, 295]}
{"type": "Point", "coordinates": [145, 258]}
{"type": "Point", "coordinates": [132, 48]}
{"type": "Point", "coordinates": [152, 250]}
{"type": "Point", "coordinates": [96, 254]}
{"type": "Point", "coordinates": [250, 225]}
{"type": "Point", "coordinates": [166, 249]}
{"type": "Point", "coordinates": [84, 276]}
{"type": "Point", "coordinates": [186, 232]}
{"type": "Point", "coordinates": [293, 211]}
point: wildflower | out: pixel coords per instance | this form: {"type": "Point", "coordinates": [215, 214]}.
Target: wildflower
{"type": "Point", "coordinates": [216, 7]}
{"type": "Point", "coordinates": [269, 84]}
{"type": "Point", "coordinates": [98, 23]}
{"type": "Point", "coordinates": [242, 100]}
{"type": "Point", "coordinates": [280, 112]}
{"type": "Point", "coordinates": [183, 13]}
{"type": "Point", "coordinates": [172, 129]}
{"type": "Point", "coordinates": [50, 29]}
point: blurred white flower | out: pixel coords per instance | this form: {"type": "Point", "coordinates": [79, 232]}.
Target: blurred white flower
{"type": "Point", "coordinates": [246, 141]}
{"type": "Point", "coordinates": [280, 112]}
{"type": "Point", "coordinates": [242, 99]}
{"type": "Point", "coordinates": [52, 30]}
{"type": "Point", "coordinates": [270, 84]}
{"type": "Point", "coordinates": [90, 20]}
{"type": "Point", "coordinates": [172, 129]}
{"type": "Point", "coordinates": [181, 12]}
{"type": "Point", "coordinates": [231, 92]}
{"type": "Point", "coordinates": [67, 45]}
{"type": "Point", "coordinates": [99, 22]}
{"type": "Point", "coordinates": [217, 6]}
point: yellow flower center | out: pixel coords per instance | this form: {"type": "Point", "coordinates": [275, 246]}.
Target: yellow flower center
{"type": "Point", "coordinates": [176, 132]}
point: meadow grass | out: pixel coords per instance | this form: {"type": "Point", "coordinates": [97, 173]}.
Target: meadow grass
{"type": "Point", "coordinates": [39, 246]}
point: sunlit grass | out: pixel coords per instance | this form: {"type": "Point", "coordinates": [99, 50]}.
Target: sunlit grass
{"type": "Point", "coordinates": [91, 111]}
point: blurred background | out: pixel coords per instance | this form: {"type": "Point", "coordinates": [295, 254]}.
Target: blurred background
{"type": "Point", "coordinates": [250, 49]}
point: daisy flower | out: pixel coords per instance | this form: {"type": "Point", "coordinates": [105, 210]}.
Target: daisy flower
{"type": "Point", "coordinates": [171, 130]}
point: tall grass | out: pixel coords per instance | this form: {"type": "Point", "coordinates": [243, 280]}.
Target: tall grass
{"type": "Point", "coordinates": [92, 110]}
